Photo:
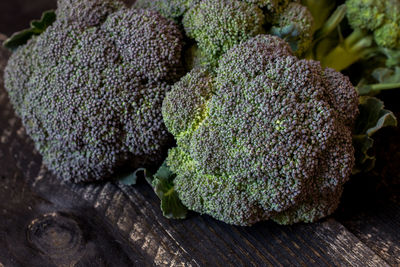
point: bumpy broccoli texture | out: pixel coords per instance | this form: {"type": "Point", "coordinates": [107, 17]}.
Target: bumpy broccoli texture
{"type": "Point", "coordinates": [175, 9]}
{"type": "Point", "coordinates": [295, 26]}
{"type": "Point", "coordinates": [172, 9]}
{"type": "Point", "coordinates": [89, 89]}
{"type": "Point", "coordinates": [382, 17]}
{"type": "Point", "coordinates": [265, 136]}
{"type": "Point", "coordinates": [218, 25]}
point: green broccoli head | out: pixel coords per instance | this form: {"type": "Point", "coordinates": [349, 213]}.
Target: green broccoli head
{"type": "Point", "coordinates": [175, 9]}
{"type": "Point", "coordinates": [172, 9]}
{"type": "Point", "coordinates": [217, 25]}
{"type": "Point", "coordinates": [295, 26]}
{"type": "Point", "coordinates": [271, 6]}
{"type": "Point", "coordinates": [86, 12]}
{"type": "Point", "coordinates": [379, 16]}
{"type": "Point", "coordinates": [89, 89]}
{"type": "Point", "coordinates": [268, 136]}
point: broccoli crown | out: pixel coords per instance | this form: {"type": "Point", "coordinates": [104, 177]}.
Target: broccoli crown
{"type": "Point", "coordinates": [217, 25]}
{"type": "Point", "coordinates": [172, 9]}
{"type": "Point", "coordinates": [175, 9]}
{"type": "Point", "coordinates": [272, 6]}
{"type": "Point", "coordinates": [86, 12]}
{"type": "Point", "coordinates": [379, 16]}
{"type": "Point", "coordinates": [89, 89]}
{"type": "Point", "coordinates": [267, 136]}
{"type": "Point", "coordinates": [295, 26]}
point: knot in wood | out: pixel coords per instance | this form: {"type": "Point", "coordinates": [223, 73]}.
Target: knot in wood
{"type": "Point", "coordinates": [56, 235]}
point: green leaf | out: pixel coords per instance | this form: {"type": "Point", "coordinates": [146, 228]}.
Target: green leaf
{"type": "Point", "coordinates": [384, 77]}
{"type": "Point", "coordinates": [131, 178]}
{"type": "Point", "coordinates": [364, 161]}
{"type": "Point", "coordinates": [162, 183]}
{"type": "Point", "coordinates": [387, 75]}
{"type": "Point", "coordinates": [288, 33]}
{"type": "Point", "coordinates": [392, 56]}
{"type": "Point", "coordinates": [37, 27]}
{"type": "Point", "coordinates": [371, 119]}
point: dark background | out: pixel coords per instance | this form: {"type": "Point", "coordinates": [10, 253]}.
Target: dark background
{"type": "Point", "coordinates": [15, 15]}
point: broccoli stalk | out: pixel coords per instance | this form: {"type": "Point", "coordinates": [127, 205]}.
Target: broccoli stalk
{"type": "Point", "coordinates": [375, 25]}
{"type": "Point", "coordinates": [371, 88]}
{"type": "Point", "coordinates": [349, 50]}
{"type": "Point", "coordinates": [320, 11]}
{"type": "Point", "coordinates": [356, 46]}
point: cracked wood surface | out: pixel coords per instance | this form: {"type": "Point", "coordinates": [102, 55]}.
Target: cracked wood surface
{"type": "Point", "coordinates": [47, 222]}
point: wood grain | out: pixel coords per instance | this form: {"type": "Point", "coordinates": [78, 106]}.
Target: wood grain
{"type": "Point", "coordinates": [109, 224]}
{"type": "Point", "coordinates": [378, 228]}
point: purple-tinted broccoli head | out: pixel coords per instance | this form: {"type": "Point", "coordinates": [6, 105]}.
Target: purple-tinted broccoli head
{"type": "Point", "coordinates": [268, 136]}
{"type": "Point", "coordinates": [89, 89]}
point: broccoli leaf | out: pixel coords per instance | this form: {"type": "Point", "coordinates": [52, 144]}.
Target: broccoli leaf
{"type": "Point", "coordinates": [37, 27]}
{"type": "Point", "coordinates": [131, 178]}
{"type": "Point", "coordinates": [384, 77]}
{"type": "Point", "coordinates": [371, 119]}
{"type": "Point", "coordinates": [162, 183]}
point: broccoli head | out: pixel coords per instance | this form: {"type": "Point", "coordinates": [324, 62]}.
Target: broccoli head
{"type": "Point", "coordinates": [176, 8]}
{"type": "Point", "coordinates": [172, 9]}
{"type": "Point", "coordinates": [89, 89]}
{"type": "Point", "coordinates": [217, 25]}
{"type": "Point", "coordinates": [265, 136]}
{"type": "Point", "coordinates": [376, 28]}
{"type": "Point", "coordinates": [295, 26]}
{"type": "Point", "coordinates": [379, 16]}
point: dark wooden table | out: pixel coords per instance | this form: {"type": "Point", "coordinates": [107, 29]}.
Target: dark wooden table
{"type": "Point", "coordinates": [46, 222]}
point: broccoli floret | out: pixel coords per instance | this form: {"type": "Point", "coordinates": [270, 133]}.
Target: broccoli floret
{"type": "Point", "coordinates": [295, 26]}
{"type": "Point", "coordinates": [267, 136]}
{"type": "Point", "coordinates": [271, 6]}
{"type": "Point", "coordinates": [379, 16]}
{"type": "Point", "coordinates": [217, 25]}
{"type": "Point", "coordinates": [89, 89]}
{"type": "Point", "coordinates": [86, 12]}
{"type": "Point", "coordinates": [172, 9]}
{"type": "Point", "coordinates": [376, 25]}
{"type": "Point", "coordinates": [175, 9]}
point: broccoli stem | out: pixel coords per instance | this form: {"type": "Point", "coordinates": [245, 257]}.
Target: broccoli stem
{"type": "Point", "coordinates": [384, 86]}
{"type": "Point", "coordinates": [331, 23]}
{"type": "Point", "coordinates": [352, 49]}
{"type": "Point", "coordinates": [366, 90]}
{"type": "Point", "coordinates": [320, 10]}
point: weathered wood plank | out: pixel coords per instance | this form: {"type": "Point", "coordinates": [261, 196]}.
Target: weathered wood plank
{"type": "Point", "coordinates": [371, 203]}
{"type": "Point", "coordinates": [379, 228]}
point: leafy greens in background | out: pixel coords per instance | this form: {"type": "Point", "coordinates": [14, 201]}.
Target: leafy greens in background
{"type": "Point", "coordinates": [372, 118]}
{"type": "Point", "coordinates": [37, 27]}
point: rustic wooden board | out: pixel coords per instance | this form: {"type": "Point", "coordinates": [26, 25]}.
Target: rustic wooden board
{"type": "Point", "coordinates": [46, 222]}
{"type": "Point", "coordinates": [379, 229]}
